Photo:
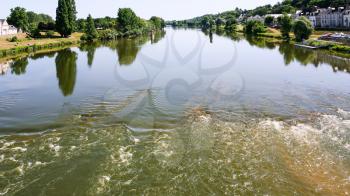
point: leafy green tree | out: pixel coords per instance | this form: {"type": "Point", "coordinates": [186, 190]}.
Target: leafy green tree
{"type": "Point", "coordinates": [219, 22]}
{"type": "Point", "coordinates": [205, 23]}
{"type": "Point", "coordinates": [19, 18]}
{"type": "Point", "coordinates": [231, 25]}
{"type": "Point", "coordinates": [90, 32]}
{"type": "Point", "coordinates": [302, 29]}
{"type": "Point", "coordinates": [286, 25]}
{"type": "Point", "coordinates": [254, 27]}
{"type": "Point", "coordinates": [127, 20]}
{"type": "Point", "coordinates": [81, 25]}
{"type": "Point", "coordinates": [158, 22]}
{"type": "Point", "coordinates": [36, 19]}
{"type": "Point", "coordinates": [62, 19]}
{"type": "Point", "coordinates": [269, 20]}
{"type": "Point", "coordinates": [72, 12]}
{"type": "Point", "coordinates": [65, 17]}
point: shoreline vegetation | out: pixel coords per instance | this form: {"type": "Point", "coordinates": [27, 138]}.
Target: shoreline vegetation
{"type": "Point", "coordinates": [41, 32]}
{"type": "Point", "coordinates": [44, 33]}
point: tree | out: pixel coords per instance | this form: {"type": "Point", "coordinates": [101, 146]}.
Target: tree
{"type": "Point", "coordinates": [286, 25]}
{"type": "Point", "coordinates": [127, 20]}
{"type": "Point", "coordinates": [90, 32]}
{"type": "Point", "coordinates": [205, 23]}
{"type": "Point", "coordinates": [72, 12]}
{"type": "Point", "coordinates": [254, 27]}
{"type": "Point", "coordinates": [269, 20]}
{"type": "Point", "coordinates": [19, 18]}
{"type": "Point", "coordinates": [65, 17]}
{"type": "Point", "coordinates": [302, 29]}
{"type": "Point", "coordinates": [158, 22]}
{"type": "Point", "coordinates": [62, 19]}
{"type": "Point", "coordinates": [219, 22]}
{"type": "Point", "coordinates": [231, 25]}
{"type": "Point", "coordinates": [35, 19]}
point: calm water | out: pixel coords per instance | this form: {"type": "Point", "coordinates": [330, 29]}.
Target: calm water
{"type": "Point", "coordinates": [177, 113]}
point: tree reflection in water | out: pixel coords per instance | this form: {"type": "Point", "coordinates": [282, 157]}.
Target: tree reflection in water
{"type": "Point", "coordinates": [127, 49]}
{"type": "Point", "coordinates": [19, 66]}
{"type": "Point", "coordinates": [90, 48]}
{"type": "Point", "coordinates": [313, 57]}
{"type": "Point", "coordinates": [302, 55]}
{"type": "Point", "coordinates": [66, 70]}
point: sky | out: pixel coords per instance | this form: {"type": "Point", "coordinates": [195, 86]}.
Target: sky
{"type": "Point", "coordinates": [167, 9]}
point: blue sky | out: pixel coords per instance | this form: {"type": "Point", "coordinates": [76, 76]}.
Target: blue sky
{"type": "Point", "coordinates": [175, 9]}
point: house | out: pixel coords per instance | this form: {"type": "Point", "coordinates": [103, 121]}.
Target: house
{"type": "Point", "coordinates": [6, 29]}
{"type": "Point", "coordinates": [328, 17]}
{"type": "Point", "coordinates": [346, 19]}
{"type": "Point", "coordinates": [256, 18]}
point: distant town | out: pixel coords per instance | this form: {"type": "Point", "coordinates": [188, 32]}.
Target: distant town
{"type": "Point", "coordinates": [331, 18]}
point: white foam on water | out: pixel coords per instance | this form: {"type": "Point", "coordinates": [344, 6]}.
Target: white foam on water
{"type": "Point", "coordinates": [344, 114]}
{"type": "Point", "coordinates": [124, 155]}
{"type": "Point", "coordinates": [20, 149]}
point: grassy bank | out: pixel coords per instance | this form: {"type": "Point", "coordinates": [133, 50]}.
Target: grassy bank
{"type": "Point", "coordinates": [25, 46]}
{"type": "Point", "coordinates": [328, 45]}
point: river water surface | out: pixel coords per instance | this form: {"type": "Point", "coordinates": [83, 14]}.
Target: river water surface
{"type": "Point", "coordinates": [177, 113]}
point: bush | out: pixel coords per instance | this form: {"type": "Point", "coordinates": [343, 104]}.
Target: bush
{"type": "Point", "coordinates": [341, 48]}
{"type": "Point", "coordinates": [269, 20]}
{"type": "Point", "coordinates": [50, 34]}
{"type": "Point", "coordinates": [231, 25]}
{"type": "Point", "coordinates": [34, 33]}
{"type": "Point", "coordinates": [108, 34]}
{"type": "Point", "coordinates": [255, 27]}
{"type": "Point", "coordinates": [13, 39]}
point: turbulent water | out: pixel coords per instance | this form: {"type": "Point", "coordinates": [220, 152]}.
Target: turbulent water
{"type": "Point", "coordinates": [140, 117]}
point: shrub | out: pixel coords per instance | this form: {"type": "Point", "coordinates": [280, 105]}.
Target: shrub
{"type": "Point", "coordinates": [108, 34]}
{"type": "Point", "coordinates": [269, 20]}
{"type": "Point", "coordinates": [255, 27]}
{"type": "Point", "coordinates": [50, 34]}
{"type": "Point", "coordinates": [13, 39]}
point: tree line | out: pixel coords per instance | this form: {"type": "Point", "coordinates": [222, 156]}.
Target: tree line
{"type": "Point", "coordinates": [127, 23]}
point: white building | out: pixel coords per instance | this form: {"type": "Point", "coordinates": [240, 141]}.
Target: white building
{"type": "Point", "coordinates": [6, 29]}
{"type": "Point", "coordinates": [256, 18]}
{"type": "Point", "coordinates": [329, 18]}
{"type": "Point", "coordinates": [346, 19]}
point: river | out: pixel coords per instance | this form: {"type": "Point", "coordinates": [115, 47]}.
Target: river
{"type": "Point", "coordinates": [177, 113]}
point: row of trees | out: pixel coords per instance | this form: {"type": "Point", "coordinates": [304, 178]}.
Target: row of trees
{"type": "Point", "coordinates": [127, 23]}
{"type": "Point", "coordinates": [26, 20]}
{"type": "Point", "coordinates": [302, 27]}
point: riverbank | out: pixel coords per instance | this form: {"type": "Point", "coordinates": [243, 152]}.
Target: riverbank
{"type": "Point", "coordinates": [25, 46]}
{"type": "Point", "coordinates": [313, 42]}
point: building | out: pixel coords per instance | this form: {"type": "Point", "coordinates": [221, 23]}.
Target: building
{"type": "Point", "coordinates": [6, 29]}
{"type": "Point", "coordinates": [329, 17]}
{"type": "Point", "coordinates": [346, 19]}
{"type": "Point", "coordinates": [256, 18]}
